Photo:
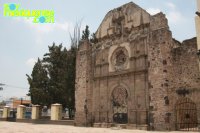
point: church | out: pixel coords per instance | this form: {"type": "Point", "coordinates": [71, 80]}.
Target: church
{"type": "Point", "coordinates": [137, 75]}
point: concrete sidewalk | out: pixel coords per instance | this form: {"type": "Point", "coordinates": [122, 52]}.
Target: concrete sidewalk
{"type": "Point", "coordinates": [14, 127]}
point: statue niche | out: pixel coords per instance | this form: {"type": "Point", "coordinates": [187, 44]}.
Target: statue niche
{"type": "Point", "coordinates": [119, 59]}
{"type": "Point", "coordinates": [119, 105]}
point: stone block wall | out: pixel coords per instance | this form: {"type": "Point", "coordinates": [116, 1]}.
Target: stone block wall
{"type": "Point", "coordinates": [83, 90]}
{"type": "Point", "coordinates": [185, 74]}
{"type": "Point", "coordinates": [160, 41]}
{"type": "Point", "coordinates": [156, 67]}
{"type": "Point", "coordinates": [158, 79]}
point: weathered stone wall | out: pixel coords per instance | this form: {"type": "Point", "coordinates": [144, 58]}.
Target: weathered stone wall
{"type": "Point", "coordinates": [185, 75]}
{"type": "Point", "coordinates": [132, 37]}
{"type": "Point", "coordinates": [153, 66]}
{"type": "Point", "coordinates": [133, 78]}
{"type": "Point", "coordinates": [160, 42]}
{"type": "Point", "coordinates": [185, 63]}
{"type": "Point", "coordinates": [83, 91]}
{"type": "Point", "coordinates": [130, 13]}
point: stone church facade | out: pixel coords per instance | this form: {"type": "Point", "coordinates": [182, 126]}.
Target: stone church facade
{"type": "Point", "coordinates": [137, 75]}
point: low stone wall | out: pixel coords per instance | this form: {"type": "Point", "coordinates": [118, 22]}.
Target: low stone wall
{"type": "Point", "coordinates": [40, 121]}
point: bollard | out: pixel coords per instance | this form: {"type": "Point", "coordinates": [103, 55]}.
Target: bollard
{"type": "Point", "coordinates": [21, 112]}
{"type": "Point", "coordinates": [36, 112]}
{"type": "Point", "coordinates": [6, 112]}
{"type": "Point", "coordinates": [56, 111]}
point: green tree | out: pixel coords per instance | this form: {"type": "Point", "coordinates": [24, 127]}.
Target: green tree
{"type": "Point", "coordinates": [86, 33]}
{"type": "Point", "coordinates": [38, 81]}
{"type": "Point", "coordinates": [71, 76]}
{"type": "Point", "coordinates": [53, 78]}
{"type": "Point", "coordinates": [57, 65]}
{"type": "Point", "coordinates": [93, 38]}
{"type": "Point", "coordinates": [2, 103]}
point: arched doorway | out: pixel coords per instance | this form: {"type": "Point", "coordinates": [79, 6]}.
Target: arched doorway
{"type": "Point", "coordinates": [119, 105]}
{"type": "Point", "coordinates": [186, 115]}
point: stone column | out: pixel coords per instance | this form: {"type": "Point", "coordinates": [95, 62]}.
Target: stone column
{"type": "Point", "coordinates": [197, 21]}
{"type": "Point", "coordinates": [6, 112]}
{"type": "Point", "coordinates": [198, 5]}
{"type": "Point", "coordinates": [36, 112]}
{"type": "Point", "coordinates": [21, 112]}
{"type": "Point", "coordinates": [56, 111]}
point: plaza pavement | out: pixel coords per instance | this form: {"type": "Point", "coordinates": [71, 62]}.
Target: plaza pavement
{"type": "Point", "coordinates": [14, 127]}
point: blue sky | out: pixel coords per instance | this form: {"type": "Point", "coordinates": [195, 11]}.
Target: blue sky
{"type": "Point", "coordinates": [22, 41]}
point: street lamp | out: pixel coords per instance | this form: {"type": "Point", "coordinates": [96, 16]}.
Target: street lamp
{"type": "Point", "coordinates": [21, 100]}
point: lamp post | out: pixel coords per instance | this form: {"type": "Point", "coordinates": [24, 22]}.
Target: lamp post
{"type": "Point", "coordinates": [1, 88]}
{"type": "Point", "coordinates": [21, 101]}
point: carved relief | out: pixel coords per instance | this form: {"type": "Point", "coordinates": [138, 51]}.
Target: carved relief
{"type": "Point", "coordinates": [119, 58]}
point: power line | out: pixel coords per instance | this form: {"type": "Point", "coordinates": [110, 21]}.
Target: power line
{"type": "Point", "coordinates": [16, 86]}
{"type": "Point", "coordinates": [2, 84]}
{"type": "Point", "coordinates": [13, 86]}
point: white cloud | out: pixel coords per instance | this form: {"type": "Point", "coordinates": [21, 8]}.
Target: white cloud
{"type": "Point", "coordinates": [46, 27]}
{"type": "Point", "coordinates": [153, 11]}
{"type": "Point", "coordinates": [175, 17]}
{"type": "Point", "coordinates": [40, 30]}
{"type": "Point", "coordinates": [171, 5]}
{"type": "Point", "coordinates": [31, 62]}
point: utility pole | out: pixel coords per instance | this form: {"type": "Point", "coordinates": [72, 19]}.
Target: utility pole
{"type": "Point", "coordinates": [1, 88]}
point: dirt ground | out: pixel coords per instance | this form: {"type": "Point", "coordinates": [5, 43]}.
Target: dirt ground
{"type": "Point", "coordinates": [13, 127]}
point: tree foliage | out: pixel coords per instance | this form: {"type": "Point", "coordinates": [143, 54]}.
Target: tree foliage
{"type": "Point", "coordinates": [38, 82]}
{"type": "Point", "coordinates": [53, 78]}
{"type": "Point", "coordinates": [93, 38]}
{"type": "Point", "coordinates": [86, 33]}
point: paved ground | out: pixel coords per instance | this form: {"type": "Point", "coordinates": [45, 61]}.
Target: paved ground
{"type": "Point", "coordinates": [13, 127]}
